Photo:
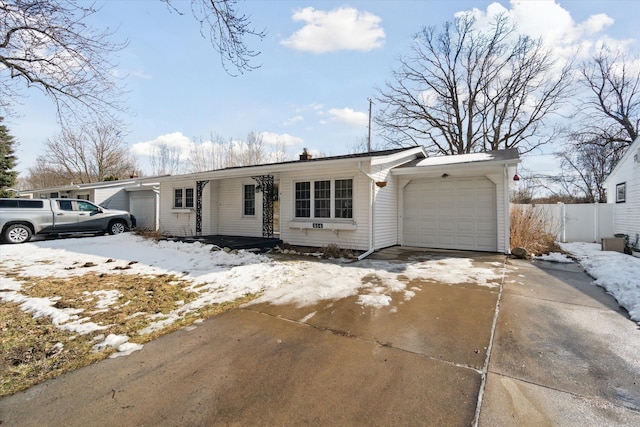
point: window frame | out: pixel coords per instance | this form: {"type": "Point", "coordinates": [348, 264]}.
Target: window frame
{"type": "Point", "coordinates": [183, 198]}
{"type": "Point", "coordinates": [313, 208]}
{"type": "Point", "coordinates": [621, 192]}
{"type": "Point", "coordinates": [245, 200]}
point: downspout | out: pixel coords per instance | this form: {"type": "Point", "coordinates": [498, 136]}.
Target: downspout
{"type": "Point", "coordinates": [372, 190]}
{"type": "Point", "coordinates": [507, 215]}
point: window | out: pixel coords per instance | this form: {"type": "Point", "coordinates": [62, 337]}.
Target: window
{"type": "Point", "coordinates": [621, 192]}
{"type": "Point", "coordinates": [82, 196]}
{"type": "Point", "coordinates": [344, 198]}
{"type": "Point", "coordinates": [321, 200]}
{"type": "Point", "coordinates": [183, 198]}
{"type": "Point", "coordinates": [303, 199]}
{"type": "Point", "coordinates": [65, 205]}
{"type": "Point", "coordinates": [21, 203]}
{"type": "Point", "coordinates": [188, 198]}
{"type": "Point", "coordinates": [249, 200]}
{"type": "Point", "coordinates": [86, 207]}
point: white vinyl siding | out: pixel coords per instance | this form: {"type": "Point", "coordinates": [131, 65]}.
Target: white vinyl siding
{"type": "Point", "coordinates": [290, 225]}
{"type": "Point", "coordinates": [626, 216]}
{"type": "Point", "coordinates": [182, 221]}
{"type": "Point", "coordinates": [386, 206]}
{"type": "Point", "coordinates": [231, 221]}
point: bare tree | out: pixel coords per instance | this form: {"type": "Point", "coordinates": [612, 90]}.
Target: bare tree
{"type": "Point", "coordinates": [166, 160]}
{"type": "Point", "coordinates": [49, 45]}
{"type": "Point", "coordinates": [246, 153]}
{"type": "Point", "coordinates": [227, 30]}
{"type": "Point", "coordinates": [278, 153]}
{"type": "Point", "coordinates": [207, 155]}
{"type": "Point", "coordinates": [465, 89]}
{"type": "Point", "coordinates": [586, 163]}
{"type": "Point", "coordinates": [608, 122]}
{"type": "Point", "coordinates": [613, 110]}
{"type": "Point", "coordinates": [87, 154]}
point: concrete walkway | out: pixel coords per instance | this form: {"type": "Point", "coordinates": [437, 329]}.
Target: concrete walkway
{"type": "Point", "coordinates": [544, 347]}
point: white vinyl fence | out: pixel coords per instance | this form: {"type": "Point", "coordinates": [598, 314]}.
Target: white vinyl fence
{"type": "Point", "coordinates": [588, 222]}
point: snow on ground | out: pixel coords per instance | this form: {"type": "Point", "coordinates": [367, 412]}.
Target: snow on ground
{"type": "Point", "coordinates": [616, 272]}
{"type": "Point", "coordinates": [216, 276]}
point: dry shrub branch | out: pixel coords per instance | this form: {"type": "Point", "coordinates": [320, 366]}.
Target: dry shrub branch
{"type": "Point", "coordinates": [532, 229]}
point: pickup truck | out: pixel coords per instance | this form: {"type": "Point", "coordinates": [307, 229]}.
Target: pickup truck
{"type": "Point", "coordinates": [20, 219]}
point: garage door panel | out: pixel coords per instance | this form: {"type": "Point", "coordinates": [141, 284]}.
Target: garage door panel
{"type": "Point", "coordinates": [451, 214]}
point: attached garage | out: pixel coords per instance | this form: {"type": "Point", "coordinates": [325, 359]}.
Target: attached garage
{"type": "Point", "coordinates": [451, 214]}
{"type": "Point", "coordinates": [456, 202]}
{"type": "Point", "coordinates": [143, 205]}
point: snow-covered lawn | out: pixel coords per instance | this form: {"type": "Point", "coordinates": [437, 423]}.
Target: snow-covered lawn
{"type": "Point", "coordinates": [216, 277]}
{"type": "Point", "coordinates": [618, 273]}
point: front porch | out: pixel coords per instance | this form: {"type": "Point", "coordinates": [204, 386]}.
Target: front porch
{"type": "Point", "coordinates": [233, 242]}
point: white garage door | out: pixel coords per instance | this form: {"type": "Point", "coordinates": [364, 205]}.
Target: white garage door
{"type": "Point", "coordinates": [451, 214]}
{"type": "Point", "coordinates": [143, 207]}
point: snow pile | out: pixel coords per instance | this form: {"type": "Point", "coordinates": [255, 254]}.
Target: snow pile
{"type": "Point", "coordinates": [618, 273]}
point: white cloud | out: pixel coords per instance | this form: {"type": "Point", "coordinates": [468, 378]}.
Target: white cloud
{"type": "Point", "coordinates": [555, 25]}
{"type": "Point", "coordinates": [171, 140]}
{"type": "Point", "coordinates": [348, 116]}
{"type": "Point", "coordinates": [293, 120]}
{"type": "Point", "coordinates": [287, 140]}
{"type": "Point", "coordinates": [344, 28]}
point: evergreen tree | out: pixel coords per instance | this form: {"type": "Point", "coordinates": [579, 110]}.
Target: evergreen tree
{"type": "Point", "coordinates": [8, 177]}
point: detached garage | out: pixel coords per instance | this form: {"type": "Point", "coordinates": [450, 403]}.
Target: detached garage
{"type": "Point", "coordinates": [457, 202]}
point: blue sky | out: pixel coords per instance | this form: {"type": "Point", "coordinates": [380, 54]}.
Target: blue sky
{"type": "Point", "coordinates": [313, 85]}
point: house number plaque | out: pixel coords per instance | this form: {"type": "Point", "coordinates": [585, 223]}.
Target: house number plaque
{"type": "Point", "coordinates": [318, 225]}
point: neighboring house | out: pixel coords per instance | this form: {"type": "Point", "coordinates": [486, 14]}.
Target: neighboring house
{"type": "Point", "coordinates": [140, 196]}
{"type": "Point", "coordinates": [623, 189]}
{"type": "Point", "coordinates": [361, 201]}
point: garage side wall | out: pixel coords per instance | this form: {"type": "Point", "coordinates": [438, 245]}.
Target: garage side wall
{"type": "Point", "coordinates": [385, 216]}
{"type": "Point", "coordinates": [502, 210]}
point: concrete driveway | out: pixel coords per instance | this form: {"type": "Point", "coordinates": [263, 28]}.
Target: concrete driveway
{"type": "Point", "coordinates": [545, 347]}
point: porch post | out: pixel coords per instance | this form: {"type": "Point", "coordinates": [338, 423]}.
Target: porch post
{"type": "Point", "coordinates": [265, 182]}
{"type": "Point", "coordinates": [199, 187]}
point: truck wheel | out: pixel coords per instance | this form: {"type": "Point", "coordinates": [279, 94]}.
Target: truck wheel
{"type": "Point", "coordinates": [17, 233]}
{"type": "Point", "coordinates": [117, 227]}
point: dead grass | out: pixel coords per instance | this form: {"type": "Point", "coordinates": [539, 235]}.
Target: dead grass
{"type": "Point", "coordinates": [33, 350]}
{"type": "Point", "coordinates": [530, 229]}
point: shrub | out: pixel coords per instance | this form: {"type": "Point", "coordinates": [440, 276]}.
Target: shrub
{"type": "Point", "coordinates": [530, 229]}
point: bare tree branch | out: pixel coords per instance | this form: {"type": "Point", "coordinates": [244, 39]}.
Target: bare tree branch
{"type": "Point", "coordinates": [465, 90]}
{"type": "Point", "coordinates": [227, 31]}
{"type": "Point", "coordinates": [49, 45]}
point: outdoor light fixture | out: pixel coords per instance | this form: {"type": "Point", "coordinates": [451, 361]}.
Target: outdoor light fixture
{"type": "Point", "coordinates": [445, 175]}
{"type": "Point", "coordinates": [516, 177]}
{"type": "Point", "coordinates": [381, 184]}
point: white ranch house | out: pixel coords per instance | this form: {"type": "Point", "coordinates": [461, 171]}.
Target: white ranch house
{"type": "Point", "coordinates": [363, 201]}
{"type": "Point", "coordinates": [623, 189]}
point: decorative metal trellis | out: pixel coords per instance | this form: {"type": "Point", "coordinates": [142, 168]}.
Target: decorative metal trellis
{"type": "Point", "coordinates": [265, 184]}
{"type": "Point", "coordinates": [199, 187]}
